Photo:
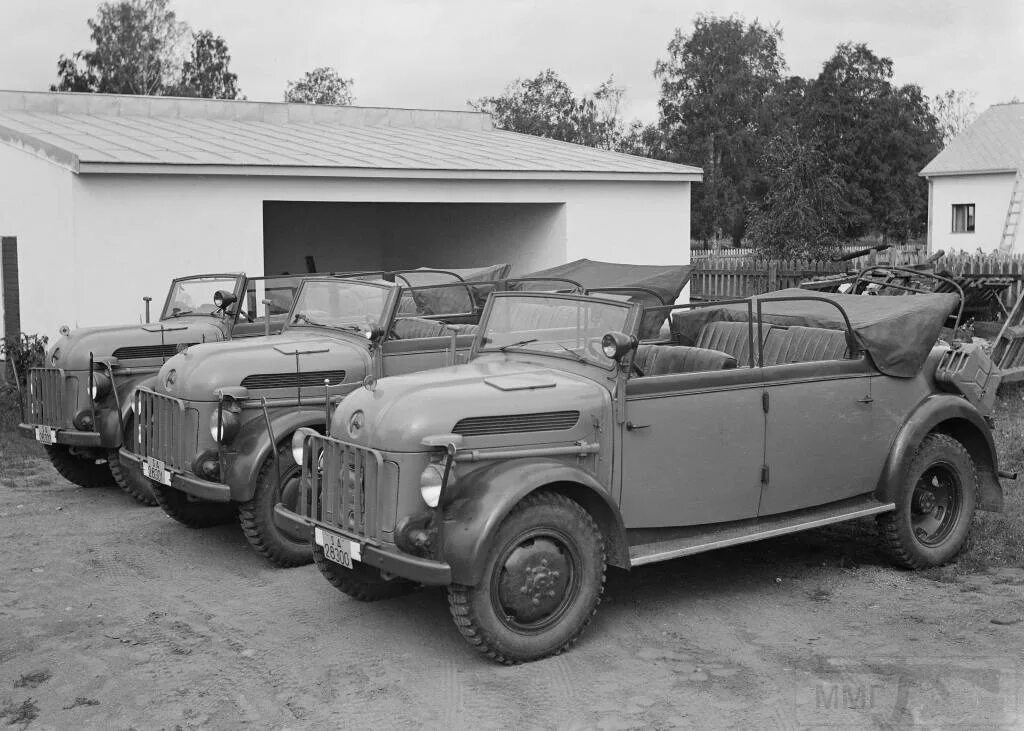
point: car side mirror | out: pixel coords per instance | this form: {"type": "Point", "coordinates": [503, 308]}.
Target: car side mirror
{"type": "Point", "coordinates": [616, 345]}
{"type": "Point", "coordinates": [223, 299]}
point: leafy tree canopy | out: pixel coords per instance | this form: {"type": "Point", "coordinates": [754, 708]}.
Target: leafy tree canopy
{"type": "Point", "coordinates": [715, 85]}
{"type": "Point", "coordinates": [801, 212]}
{"type": "Point", "coordinates": [879, 136]}
{"type": "Point", "coordinates": [205, 73]}
{"type": "Point", "coordinates": [140, 47]}
{"type": "Point", "coordinates": [545, 106]}
{"type": "Point", "coordinates": [322, 85]}
{"type": "Point", "coordinates": [954, 112]}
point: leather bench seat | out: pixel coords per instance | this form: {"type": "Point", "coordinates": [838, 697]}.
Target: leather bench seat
{"type": "Point", "coordinates": [729, 337]}
{"type": "Point", "coordinates": [663, 360]}
{"type": "Point", "coordinates": [799, 344]}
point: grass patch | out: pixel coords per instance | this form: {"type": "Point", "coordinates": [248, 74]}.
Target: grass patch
{"type": "Point", "coordinates": [19, 713]}
{"type": "Point", "coordinates": [32, 680]}
{"type": "Point", "coordinates": [16, 452]}
{"type": "Point", "coordinates": [997, 539]}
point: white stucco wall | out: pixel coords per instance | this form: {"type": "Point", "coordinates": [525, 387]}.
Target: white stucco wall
{"type": "Point", "coordinates": [100, 242]}
{"type": "Point", "coordinates": [36, 207]}
{"type": "Point", "coordinates": [990, 195]}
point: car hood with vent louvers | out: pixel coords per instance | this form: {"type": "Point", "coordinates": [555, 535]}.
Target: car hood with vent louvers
{"type": "Point", "coordinates": [266, 365]}
{"type": "Point", "coordinates": [135, 346]}
{"type": "Point", "coordinates": [401, 410]}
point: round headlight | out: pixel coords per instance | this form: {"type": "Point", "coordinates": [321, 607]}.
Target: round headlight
{"type": "Point", "coordinates": [430, 484]}
{"type": "Point", "coordinates": [171, 379]}
{"type": "Point", "coordinates": [100, 386]}
{"type": "Point", "coordinates": [54, 357]}
{"type": "Point", "coordinates": [218, 300]}
{"type": "Point", "coordinates": [608, 347]}
{"type": "Point", "coordinates": [228, 426]}
{"type": "Point", "coordinates": [299, 441]}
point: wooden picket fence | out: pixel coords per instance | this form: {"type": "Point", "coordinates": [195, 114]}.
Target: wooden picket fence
{"type": "Point", "coordinates": [729, 275]}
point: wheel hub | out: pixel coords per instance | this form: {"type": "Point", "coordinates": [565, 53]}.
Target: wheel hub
{"type": "Point", "coordinates": [534, 579]}
{"type": "Point", "coordinates": [924, 501]}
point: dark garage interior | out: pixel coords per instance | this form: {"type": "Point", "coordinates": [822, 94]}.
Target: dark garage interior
{"type": "Point", "coordinates": [367, 236]}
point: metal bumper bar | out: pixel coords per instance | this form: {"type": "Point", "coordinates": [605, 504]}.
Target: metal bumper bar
{"type": "Point", "coordinates": [68, 437]}
{"type": "Point", "coordinates": [414, 568]}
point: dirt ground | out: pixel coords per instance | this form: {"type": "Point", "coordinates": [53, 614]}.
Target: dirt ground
{"type": "Point", "coordinates": [114, 616]}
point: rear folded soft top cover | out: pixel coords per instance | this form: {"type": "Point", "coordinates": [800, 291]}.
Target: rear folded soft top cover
{"type": "Point", "coordinates": [452, 300]}
{"type": "Point", "coordinates": [666, 281]}
{"type": "Point", "coordinates": [898, 332]}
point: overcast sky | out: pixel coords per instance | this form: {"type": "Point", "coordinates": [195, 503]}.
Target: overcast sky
{"type": "Point", "coordinates": [439, 53]}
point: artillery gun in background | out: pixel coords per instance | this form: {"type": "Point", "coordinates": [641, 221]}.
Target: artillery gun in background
{"type": "Point", "coordinates": [77, 404]}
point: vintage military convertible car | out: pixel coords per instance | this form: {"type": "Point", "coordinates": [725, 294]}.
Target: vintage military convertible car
{"type": "Point", "coordinates": [208, 422]}
{"type": "Point", "coordinates": [581, 434]}
{"type": "Point", "coordinates": [215, 425]}
{"type": "Point", "coordinates": [78, 407]}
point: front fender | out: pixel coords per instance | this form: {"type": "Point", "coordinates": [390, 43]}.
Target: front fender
{"type": "Point", "coordinates": [474, 510]}
{"type": "Point", "coordinates": [957, 417]}
{"type": "Point", "coordinates": [252, 447]}
{"type": "Point", "coordinates": [124, 388]}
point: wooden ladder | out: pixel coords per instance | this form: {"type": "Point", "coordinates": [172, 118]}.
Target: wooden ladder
{"type": "Point", "coordinates": [1012, 216]}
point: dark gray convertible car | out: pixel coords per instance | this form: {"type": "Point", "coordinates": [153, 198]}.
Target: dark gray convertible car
{"type": "Point", "coordinates": [580, 435]}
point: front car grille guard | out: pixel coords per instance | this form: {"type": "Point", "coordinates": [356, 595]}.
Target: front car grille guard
{"type": "Point", "coordinates": [47, 393]}
{"type": "Point", "coordinates": [340, 485]}
{"type": "Point", "coordinates": [46, 397]}
{"type": "Point", "coordinates": [161, 429]}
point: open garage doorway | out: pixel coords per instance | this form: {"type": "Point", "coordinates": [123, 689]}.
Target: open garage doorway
{"type": "Point", "coordinates": [366, 236]}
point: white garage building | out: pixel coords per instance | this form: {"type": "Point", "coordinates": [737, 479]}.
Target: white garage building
{"type": "Point", "coordinates": [104, 198]}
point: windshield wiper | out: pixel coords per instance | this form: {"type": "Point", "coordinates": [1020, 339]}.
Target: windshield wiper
{"type": "Point", "coordinates": [305, 318]}
{"type": "Point", "coordinates": [181, 313]}
{"type": "Point", "coordinates": [505, 347]}
{"type": "Point", "coordinates": [573, 353]}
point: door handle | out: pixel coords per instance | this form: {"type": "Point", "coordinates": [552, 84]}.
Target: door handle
{"type": "Point", "coordinates": [630, 426]}
{"type": "Point", "coordinates": [865, 400]}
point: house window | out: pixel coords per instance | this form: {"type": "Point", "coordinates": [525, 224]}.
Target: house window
{"type": "Point", "coordinates": [963, 218]}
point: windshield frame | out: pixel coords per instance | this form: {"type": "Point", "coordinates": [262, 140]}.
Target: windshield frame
{"type": "Point", "coordinates": [386, 310]}
{"type": "Point", "coordinates": [240, 284]}
{"type": "Point", "coordinates": [632, 322]}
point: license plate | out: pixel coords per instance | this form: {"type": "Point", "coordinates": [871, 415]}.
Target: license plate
{"type": "Point", "coordinates": [46, 435]}
{"type": "Point", "coordinates": [157, 471]}
{"type": "Point", "coordinates": [340, 550]}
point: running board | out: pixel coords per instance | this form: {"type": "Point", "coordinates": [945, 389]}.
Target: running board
{"type": "Point", "coordinates": [649, 545]}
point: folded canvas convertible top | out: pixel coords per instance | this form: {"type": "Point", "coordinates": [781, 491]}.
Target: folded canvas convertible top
{"type": "Point", "coordinates": [898, 332]}
{"type": "Point", "coordinates": [666, 281]}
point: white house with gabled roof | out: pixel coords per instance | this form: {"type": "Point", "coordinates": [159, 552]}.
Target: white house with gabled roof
{"type": "Point", "coordinates": [105, 198]}
{"type": "Point", "coordinates": [975, 186]}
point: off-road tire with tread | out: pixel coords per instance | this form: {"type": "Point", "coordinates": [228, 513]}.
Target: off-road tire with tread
{"type": "Point", "coordinates": [472, 607]}
{"type": "Point", "coordinates": [361, 582]}
{"type": "Point", "coordinates": [131, 481]}
{"type": "Point", "coordinates": [190, 512]}
{"type": "Point", "coordinates": [82, 471]}
{"type": "Point", "coordinates": [899, 541]}
{"type": "Point", "coordinates": [257, 515]}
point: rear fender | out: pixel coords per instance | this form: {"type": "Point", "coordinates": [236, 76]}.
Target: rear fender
{"type": "Point", "coordinates": [252, 447]}
{"type": "Point", "coordinates": [474, 510]}
{"type": "Point", "coordinates": [957, 417]}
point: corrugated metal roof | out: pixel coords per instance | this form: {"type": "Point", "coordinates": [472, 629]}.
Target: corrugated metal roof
{"type": "Point", "coordinates": [108, 133]}
{"type": "Point", "coordinates": [993, 143]}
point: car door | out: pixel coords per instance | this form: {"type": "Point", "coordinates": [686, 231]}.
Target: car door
{"type": "Point", "coordinates": [692, 448]}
